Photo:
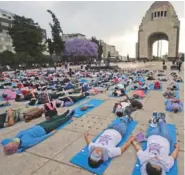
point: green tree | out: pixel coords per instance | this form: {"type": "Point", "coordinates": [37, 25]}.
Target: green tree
{"type": "Point", "coordinates": [7, 58]}
{"type": "Point", "coordinates": [50, 46]}
{"type": "Point", "coordinates": [58, 44]}
{"type": "Point", "coordinates": [100, 47]}
{"type": "Point", "coordinates": [27, 36]}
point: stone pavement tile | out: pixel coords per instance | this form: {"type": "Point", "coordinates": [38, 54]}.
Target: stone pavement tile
{"type": "Point", "coordinates": [123, 164]}
{"type": "Point", "coordinates": [110, 103]}
{"type": "Point", "coordinates": [176, 118]}
{"type": "Point", "coordinates": [84, 123]}
{"type": "Point", "coordinates": [180, 137]}
{"type": "Point", "coordinates": [55, 144]}
{"type": "Point", "coordinates": [55, 168]}
{"type": "Point", "coordinates": [155, 103]}
{"type": "Point", "coordinates": [20, 163]}
{"type": "Point", "coordinates": [180, 160]}
{"type": "Point", "coordinates": [140, 128]}
{"type": "Point", "coordinates": [142, 116]}
{"type": "Point", "coordinates": [67, 154]}
{"type": "Point", "coordinates": [100, 126]}
{"type": "Point", "coordinates": [102, 111]}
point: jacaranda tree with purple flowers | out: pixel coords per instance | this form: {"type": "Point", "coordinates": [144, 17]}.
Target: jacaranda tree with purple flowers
{"type": "Point", "coordinates": [80, 50]}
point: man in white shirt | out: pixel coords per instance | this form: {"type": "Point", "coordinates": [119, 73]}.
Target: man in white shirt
{"type": "Point", "coordinates": [105, 146]}
{"type": "Point", "coordinates": [156, 159]}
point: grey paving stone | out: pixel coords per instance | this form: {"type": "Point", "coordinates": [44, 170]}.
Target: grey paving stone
{"type": "Point", "coordinates": [20, 164]}
{"type": "Point", "coordinates": [55, 144]}
{"type": "Point", "coordinates": [66, 154]}
{"type": "Point", "coordinates": [55, 168]}
{"type": "Point", "coordinates": [84, 123]}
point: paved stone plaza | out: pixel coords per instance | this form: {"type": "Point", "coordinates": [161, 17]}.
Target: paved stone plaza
{"type": "Point", "coordinates": [51, 157]}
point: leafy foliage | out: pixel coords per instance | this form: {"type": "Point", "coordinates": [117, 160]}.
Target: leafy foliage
{"type": "Point", "coordinates": [27, 36]}
{"type": "Point", "coordinates": [57, 44]}
{"type": "Point", "coordinates": [81, 49]}
{"type": "Point", "coordinates": [50, 46]}
{"type": "Point", "coordinates": [100, 47]}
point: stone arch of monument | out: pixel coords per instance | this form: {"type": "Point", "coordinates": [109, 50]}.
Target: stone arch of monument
{"type": "Point", "coordinates": [159, 22]}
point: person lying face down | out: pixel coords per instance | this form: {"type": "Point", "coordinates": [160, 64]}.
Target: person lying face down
{"type": "Point", "coordinates": [174, 105]}
{"type": "Point", "coordinates": [105, 146]}
{"type": "Point", "coordinates": [34, 135]}
{"type": "Point", "coordinates": [156, 159]}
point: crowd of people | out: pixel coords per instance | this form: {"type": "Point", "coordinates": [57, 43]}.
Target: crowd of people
{"type": "Point", "coordinates": [42, 92]}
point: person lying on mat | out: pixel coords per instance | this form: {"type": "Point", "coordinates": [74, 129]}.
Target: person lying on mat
{"type": "Point", "coordinates": [34, 135]}
{"type": "Point", "coordinates": [156, 159]}
{"type": "Point", "coordinates": [10, 117]}
{"type": "Point", "coordinates": [150, 77]}
{"type": "Point", "coordinates": [126, 107]}
{"type": "Point", "coordinates": [174, 105]}
{"type": "Point", "coordinates": [105, 146]}
{"type": "Point", "coordinates": [42, 98]}
{"type": "Point", "coordinates": [69, 100]}
{"type": "Point", "coordinates": [177, 79]}
{"type": "Point", "coordinates": [4, 103]}
{"type": "Point", "coordinates": [169, 93]}
{"type": "Point", "coordinates": [173, 86]}
{"type": "Point", "coordinates": [162, 78]}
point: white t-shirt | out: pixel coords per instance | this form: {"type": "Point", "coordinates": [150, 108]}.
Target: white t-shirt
{"type": "Point", "coordinates": [107, 141]}
{"type": "Point", "coordinates": [121, 107]}
{"type": "Point", "coordinates": [159, 147]}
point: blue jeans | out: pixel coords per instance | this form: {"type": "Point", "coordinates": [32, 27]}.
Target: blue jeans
{"type": "Point", "coordinates": [161, 130]}
{"type": "Point", "coordinates": [121, 127]}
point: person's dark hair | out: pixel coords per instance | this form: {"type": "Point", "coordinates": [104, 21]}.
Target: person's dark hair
{"type": "Point", "coordinates": [94, 164]}
{"type": "Point", "coordinates": [152, 170]}
{"type": "Point", "coordinates": [119, 114]}
{"type": "Point", "coordinates": [114, 94]}
{"type": "Point", "coordinates": [176, 110]}
{"type": "Point", "coordinates": [58, 105]}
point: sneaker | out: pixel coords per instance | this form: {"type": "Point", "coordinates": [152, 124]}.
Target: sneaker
{"type": "Point", "coordinates": [161, 117]}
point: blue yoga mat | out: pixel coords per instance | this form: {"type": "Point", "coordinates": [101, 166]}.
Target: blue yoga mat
{"type": "Point", "coordinates": [94, 102]}
{"type": "Point", "coordinates": [174, 170]}
{"type": "Point", "coordinates": [178, 87]}
{"type": "Point", "coordinates": [151, 87]}
{"type": "Point", "coordinates": [81, 158]}
{"type": "Point", "coordinates": [177, 95]}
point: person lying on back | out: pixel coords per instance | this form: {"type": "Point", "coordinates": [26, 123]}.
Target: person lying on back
{"type": "Point", "coordinates": [105, 146]}
{"type": "Point", "coordinates": [156, 159]}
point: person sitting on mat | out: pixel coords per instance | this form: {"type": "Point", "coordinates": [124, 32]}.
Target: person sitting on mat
{"type": "Point", "coordinates": [156, 159]}
{"type": "Point", "coordinates": [105, 146]}
{"type": "Point", "coordinates": [34, 135]}
{"type": "Point", "coordinates": [68, 101]}
{"type": "Point", "coordinates": [169, 93]}
{"type": "Point", "coordinates": [174, 105]}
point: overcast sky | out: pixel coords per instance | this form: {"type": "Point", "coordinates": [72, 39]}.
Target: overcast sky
{"type": "Point", "coordinates": [114, 22]}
